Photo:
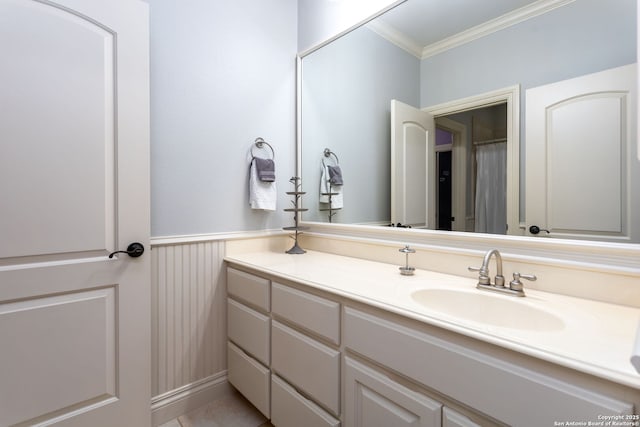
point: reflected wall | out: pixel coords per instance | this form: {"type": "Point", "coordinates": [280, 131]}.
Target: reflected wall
{"type": "Point", "coordinates": [347, 87]}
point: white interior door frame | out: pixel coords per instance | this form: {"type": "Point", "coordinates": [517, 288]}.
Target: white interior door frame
{"type": "Point", "coordinates": [511, 96]}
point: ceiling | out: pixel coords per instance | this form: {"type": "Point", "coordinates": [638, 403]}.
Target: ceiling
{"type": "Point", "coordinates": [427, 22]}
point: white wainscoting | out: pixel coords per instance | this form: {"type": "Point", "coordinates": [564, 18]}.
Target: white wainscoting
{"type": "Point", "coordinates": [188, 325]}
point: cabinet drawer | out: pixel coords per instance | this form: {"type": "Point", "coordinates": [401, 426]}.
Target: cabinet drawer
{"type": "Point", "coordinates": [249, 330]}
{"type": "Point", "coordinates": [473, 378]}
{"type": "Point", "coordinates": [311, 312]}
{"type": "Point", "coordinates": [290, 409]}
{"type": "Point", "coordinates": [308, 365]}
{"type": "Point", "coordinates": [451, 418]}
{"type": "Point", "coordinates": [374, 400]}
{"type": "Point", "coordinates": [249, 377]}
{"type": "Point", "coordinates": [248, 288]}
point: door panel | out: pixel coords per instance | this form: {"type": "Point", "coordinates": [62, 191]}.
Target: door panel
{"type": "Point", "coordinates": [605, 141]}
{"type": "Point", "coordinates": [58, 132]}
{"type": "Point", "coordinates": [581, 176]}
{"type": "Point", "coordinates": [374, 400]}
{"type": "Point", "coordinates": [413, 164]}
{"type": "Point", "coordinates": [47, 342]}
{"type": "Point", "coordinates": [74, 180]}
{"type": "Point", "coordinates": [414, 181]}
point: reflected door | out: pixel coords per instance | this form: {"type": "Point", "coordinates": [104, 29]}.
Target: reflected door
{"type": "Point", "coordinates": [74, 187]}
{"type": "Point", "coordinates": [582, 176]}
{"type": "Point", "coordinates": [413, 165]}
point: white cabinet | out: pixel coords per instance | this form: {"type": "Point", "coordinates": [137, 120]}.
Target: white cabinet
{"type": "Point", "coordinates": [305, 358]}
{"type": "Point", "coordinates": [374, 400]}
{"type": "Point", "coordinates": [293, 353]}
{"type": "Point", "coordinates": [283, 350]}
{"type": "Point", "coordinates": [249, 346]}
{"type": "Point", "coordinates": [505, 391]}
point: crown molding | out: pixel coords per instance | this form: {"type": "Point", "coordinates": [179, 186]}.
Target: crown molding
{"type": "Point", "coordinates": [514, 17]}
{"type": "Point", "coordinates": [507, 20]}
{"type": "Point", "coordinates": [396, 37]}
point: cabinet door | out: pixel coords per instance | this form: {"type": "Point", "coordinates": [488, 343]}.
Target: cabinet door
{"type": "Point", "coordinates": [476, 379]}
{"type": "Point", "coordinates": [374, 400]}
{"type": "Point", "coordinates": [451, 418]}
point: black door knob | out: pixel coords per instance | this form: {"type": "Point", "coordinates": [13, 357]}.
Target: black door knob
{"type": "Point", "coordinates": [534, 229]}
{"type": "Point", "coordinates": [134, 250]}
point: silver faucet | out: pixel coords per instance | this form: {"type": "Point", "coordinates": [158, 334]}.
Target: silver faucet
{"type": "Point", "coordinates": [515, 287]}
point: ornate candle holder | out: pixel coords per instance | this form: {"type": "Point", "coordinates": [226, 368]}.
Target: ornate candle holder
{"type": "Point", "coordinates": [297, 194]}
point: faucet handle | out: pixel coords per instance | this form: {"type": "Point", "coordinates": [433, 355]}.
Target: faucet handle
{"type": "Point", "coordinates": [516, 284]}
{"type": "Point", "coordinates": [407, 250]}
{"type": "Point", "coordinates": [406, 270]}
{"type": "Point", "coordinates": [483, 277]}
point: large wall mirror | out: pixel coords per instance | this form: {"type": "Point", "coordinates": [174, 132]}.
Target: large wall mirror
{"type": "Point", "coordinates": [505, 117]}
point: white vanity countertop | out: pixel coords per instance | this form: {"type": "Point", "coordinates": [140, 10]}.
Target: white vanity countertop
{"type": "Point", "coordinates": [597, 338]}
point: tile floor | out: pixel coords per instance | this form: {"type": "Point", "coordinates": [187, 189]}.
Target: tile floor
{"type": "Point", "coordinates": [229, 411]}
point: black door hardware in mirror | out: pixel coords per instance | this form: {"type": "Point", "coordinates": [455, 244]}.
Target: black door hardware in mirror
{"type": "Point", "coordinates": [534, 229]}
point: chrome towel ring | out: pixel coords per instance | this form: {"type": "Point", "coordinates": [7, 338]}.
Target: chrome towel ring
{"type": "Point", "coordinates": [260, 144]}
{"type": "Point", "coordinates": [329, 153]}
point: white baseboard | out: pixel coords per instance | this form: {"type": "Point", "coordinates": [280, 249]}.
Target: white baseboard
{"type": "Point", "coordinates": [174, 403]}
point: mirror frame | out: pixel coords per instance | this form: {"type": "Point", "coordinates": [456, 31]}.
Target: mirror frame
{"type": "Point", "coordinates": [614, 257]}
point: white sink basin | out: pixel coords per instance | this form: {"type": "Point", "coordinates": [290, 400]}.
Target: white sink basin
{"type": "Point", "coordinates": [488, 309]}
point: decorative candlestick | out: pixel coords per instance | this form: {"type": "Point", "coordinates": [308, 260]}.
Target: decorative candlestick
{"type": "Point", "coordinates": [331, 209]}
{"type": "Point", "coordinates": [297, 194]}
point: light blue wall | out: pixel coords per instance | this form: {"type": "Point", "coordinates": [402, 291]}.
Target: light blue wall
{"type": "Point", "coordinates": [349, 84]}
{"type": "Point", "coordinates": [579, 38]}
{"type": "Point", "coordinates": [222, 74]}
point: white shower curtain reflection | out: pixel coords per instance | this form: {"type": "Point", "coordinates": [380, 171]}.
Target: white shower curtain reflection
{"type": "Point", "coordinates": [491, 189]}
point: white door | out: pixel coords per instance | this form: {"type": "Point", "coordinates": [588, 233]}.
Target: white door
{"type": "Point", "coordinates": [74, 187]}
{"type": "Point", "coordinates": [413, 166]}
{"type": "Point", "coordinates": [582, 176]}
